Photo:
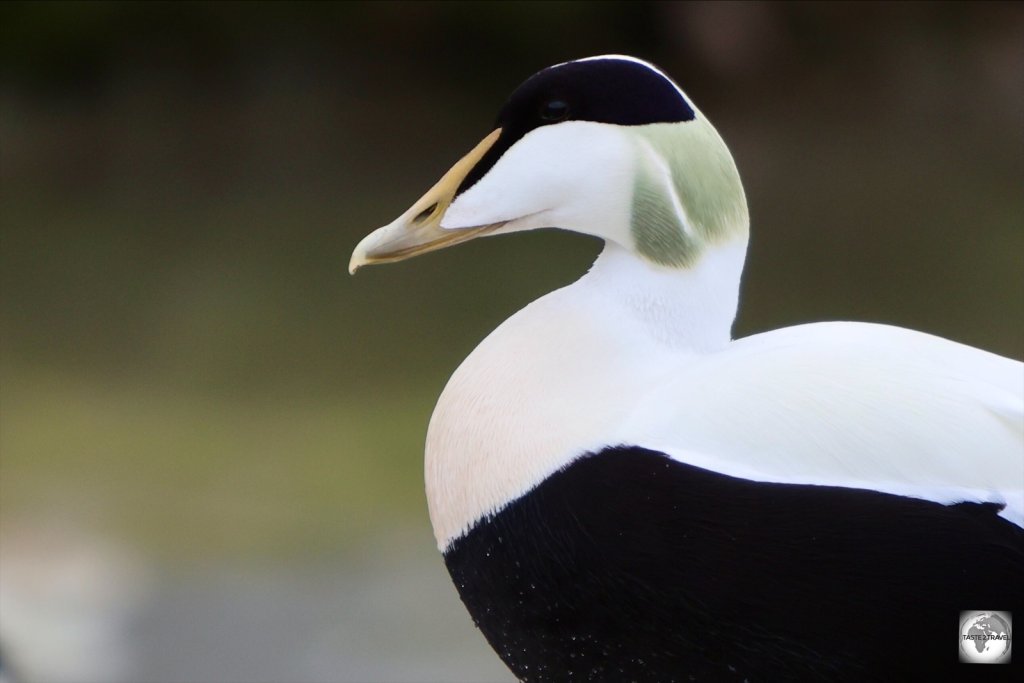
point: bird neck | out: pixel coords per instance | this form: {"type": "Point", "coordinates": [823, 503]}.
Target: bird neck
{"type": "Point", "coordinates": [687, 309]}
{"type": "Point", "coordinates": [561, 376]}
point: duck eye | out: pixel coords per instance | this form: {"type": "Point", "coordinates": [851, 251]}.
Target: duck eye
{"type": "Point", "coordinates": [553, 111]}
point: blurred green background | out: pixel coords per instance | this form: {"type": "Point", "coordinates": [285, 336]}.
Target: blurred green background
{"type": "Point", "coordinates": [211, 436]}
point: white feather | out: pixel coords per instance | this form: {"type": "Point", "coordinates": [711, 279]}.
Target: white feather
{"type": "Point", "coordinates": [640, 355]}
{"type": "Point", "coordinates": [547, 179]}
{"type": "Point", "coordinates": [848, 404]}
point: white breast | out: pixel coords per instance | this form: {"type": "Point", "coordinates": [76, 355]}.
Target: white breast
{"type": "Point", "coordinates": [638, 356]}
{"type": "Point", "coordinates": [558, 378]}
{"type": "Point", "coordinates": [546, 386]}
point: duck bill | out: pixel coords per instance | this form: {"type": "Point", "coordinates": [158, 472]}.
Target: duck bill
{"type": "Point", "coordinates": [418, 230]}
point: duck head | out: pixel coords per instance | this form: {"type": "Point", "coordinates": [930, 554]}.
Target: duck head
{"type": "Point", "coordinates": [607, 146]}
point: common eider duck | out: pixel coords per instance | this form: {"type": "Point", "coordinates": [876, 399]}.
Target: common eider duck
{"type": "Point", "coordinates": [624, 492]}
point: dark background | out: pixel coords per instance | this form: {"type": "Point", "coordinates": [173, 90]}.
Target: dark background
{"type": "Point", "coordinates": [211, 436]}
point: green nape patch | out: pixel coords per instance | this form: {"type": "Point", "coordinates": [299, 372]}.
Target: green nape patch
{"type": "Point", "coordinates": [657, 226]}
{"type": "Point", "coordinates": [194, 478]}
{"type": "Point", "coordinates": [689, 164]}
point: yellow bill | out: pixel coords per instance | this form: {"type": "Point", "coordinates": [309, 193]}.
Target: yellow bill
{"type": "Point", "coordinates": [418, 230]}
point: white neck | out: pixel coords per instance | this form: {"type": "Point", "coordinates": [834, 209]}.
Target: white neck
{"type": "Point", "coordinates": [684, 309]}
{"type": "Point", "coordinates": [555, 380]}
